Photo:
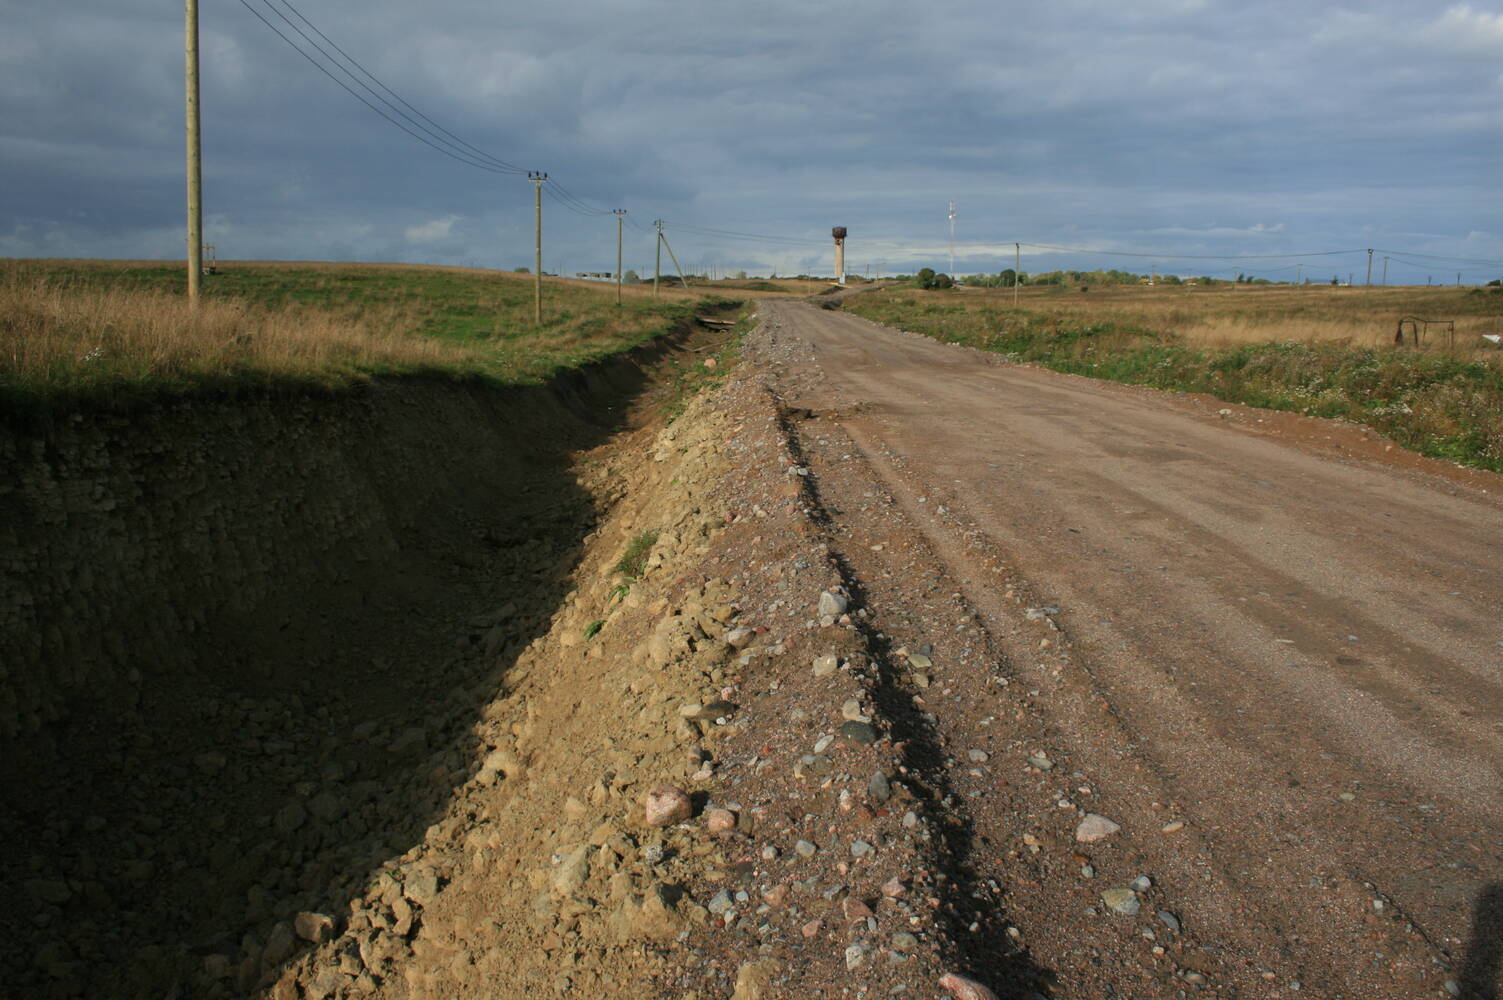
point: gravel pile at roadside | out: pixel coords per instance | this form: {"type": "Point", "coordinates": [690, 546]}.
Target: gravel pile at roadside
{"type": "Point", "coordinates": [689, 787]}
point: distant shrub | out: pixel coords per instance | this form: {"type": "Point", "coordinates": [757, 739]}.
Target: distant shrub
{"type": "Point", "coordinates": [928, 280]}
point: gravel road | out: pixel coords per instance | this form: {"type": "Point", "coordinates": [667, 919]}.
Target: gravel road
{"type": "Point", "coordinates": [1268, 648]}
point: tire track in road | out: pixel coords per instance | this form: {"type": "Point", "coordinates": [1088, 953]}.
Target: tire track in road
{"type": "Point", "coordinates": [1223, 655]}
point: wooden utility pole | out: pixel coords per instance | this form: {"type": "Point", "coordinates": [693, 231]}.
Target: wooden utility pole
{"type": "Point", "coordinates": [1017, 270]}
{"type": "Point", "coordinates": [657, 267]}
{"type": "Point", "coordinates": [195, 158]}
{"type": "Point", "coordinates": [1385, 272]}
{"type": "Point", "coordinates": [537, 177]}
{"type": "Point", "coordinates": [1369, 269]}
{"type": "Point", "coordinates": [620, 214]}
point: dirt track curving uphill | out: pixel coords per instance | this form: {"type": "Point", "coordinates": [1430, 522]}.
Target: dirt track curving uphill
{"type": "Point", "coordinates": [1269, 651]}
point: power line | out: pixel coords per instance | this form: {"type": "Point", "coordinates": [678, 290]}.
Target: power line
{"type": "Point", "coordinates": [373, 78]}
{"type": "Point", "coordinates": [1444, 260]}
{"type": "Point", "coordinates": [584, 206]}
{"type": "Point", "coordinates": [731, 234]}
{"type": "Point", "coordinates": [462, 158]}
{"type": "Point", "coordinates": [1426, 263]}
{"type": "Point", "coordinates": [437, 137]}
{"type": "Point", "coordinates": [1184, 256]}
{"type": "Point", "coordinates": [492, 163]}
{"type": "Point", "coordinates": [570, 205]}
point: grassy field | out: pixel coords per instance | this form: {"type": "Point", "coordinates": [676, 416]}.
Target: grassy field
{"type": "Point", "coordinates": [1230, 314]}
{"type": "Point", "coordinates": [774, 286]}
{"type": "Point", "coordinates": [108, 333]}
{"type": "Point", "coordinates": [1322, 351]}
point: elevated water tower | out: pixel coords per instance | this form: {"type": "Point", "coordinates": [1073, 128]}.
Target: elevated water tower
{"type": "Point", "coordinates": [839, 234]}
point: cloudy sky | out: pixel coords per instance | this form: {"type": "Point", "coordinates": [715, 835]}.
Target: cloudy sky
{"type": "Point", "coordinates": [1177, 128]}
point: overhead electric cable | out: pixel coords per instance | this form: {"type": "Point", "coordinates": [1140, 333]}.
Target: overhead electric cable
{"type": "Point", "coordinates": [1447, 260]}
{"type": "Point", "coordinates": [497, 161]}
{"type": "Point", "coordinates": [495, 165]}
{"type": "Point", "coordinates": [730, 234]}
{"type": "Point", "coordinates": [462, 158]}
{"type": "Point", "coordinates": [583, 204]}
{"type": "Point", "coordinates": [1432, 263]}
{"type": "Point", "coordinates": [1186, 256]}
{"type": "Point", "coordinates": [571, 206]}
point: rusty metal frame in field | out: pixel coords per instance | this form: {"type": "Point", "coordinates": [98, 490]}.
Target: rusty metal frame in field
{"type": "Point", "coordinates": [1418, 327]}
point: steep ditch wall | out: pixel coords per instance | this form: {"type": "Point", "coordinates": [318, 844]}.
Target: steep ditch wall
{"type": "Point", "coordinates": [129, 543]}
{"type": "Point", "coordinates": [229, 677]}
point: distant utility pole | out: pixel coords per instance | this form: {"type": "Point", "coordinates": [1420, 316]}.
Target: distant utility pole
{"type": "Point", "coordinates": [1017, 270]}
{"type": "Point", "coordinates": [1385, 272]}
{"type": "Point", "coordinates": [952, 239]}
{"type": "Point", "coordinates": [1299, 272]}
{"type": "Point", "coordinates": [620, 214]}
{"type": "Point", "coordinates": [1369, 268]}
{"type": "Point", "coordinates": [537, 177]}
{"type": "Point", "coordinates": [1458, 279]}
{"type": "Point", "coordinates": [195, 158]}
{"type": "Point", "coordinates": [657, 267]}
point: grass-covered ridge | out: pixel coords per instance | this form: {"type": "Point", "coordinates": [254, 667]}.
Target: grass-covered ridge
{"type": "Point", "coordinates": [109, 334]}
{"type": "Point", "coordinates": [1442, 403]}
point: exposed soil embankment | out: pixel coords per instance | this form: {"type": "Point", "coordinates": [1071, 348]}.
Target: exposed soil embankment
{"type": "Point", "coordinates": [388, 709]}
{"type": "Point", "coordinates": [241, 645]}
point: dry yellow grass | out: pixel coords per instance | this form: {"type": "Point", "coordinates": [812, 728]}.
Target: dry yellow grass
{"type": "Point", "coordinates": [115, 331]}
{"type": "Point", "coordinates": [1325, 352]}
{"type": "Point", "coordinates": [1223, 315]}
{"type": "Point", "coordinates": [51, 332]}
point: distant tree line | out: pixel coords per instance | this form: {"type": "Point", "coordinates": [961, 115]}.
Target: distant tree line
{"type": "Point", "coordinates": [1006, 278]}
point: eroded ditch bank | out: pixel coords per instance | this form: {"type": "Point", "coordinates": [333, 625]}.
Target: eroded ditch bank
{"type": "Point", "coordinates": [408, 754]}
{"type": "Point", "coordinates": [239, 654]}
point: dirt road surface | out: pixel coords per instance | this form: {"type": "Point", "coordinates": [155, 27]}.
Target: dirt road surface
{"type": "Point", "coordinates": [1267, 650]}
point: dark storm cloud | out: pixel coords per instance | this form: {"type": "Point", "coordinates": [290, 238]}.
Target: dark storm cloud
{"type": "Point", "coordinates": [1187, 126]}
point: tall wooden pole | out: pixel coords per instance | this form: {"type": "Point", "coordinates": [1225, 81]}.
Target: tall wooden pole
{"type": "Point", "coordinates": [195, 161]}
{"type": "Point", "coordinates": [620, 217]}
{"type": "Point", "coordinates": [657, 267]}
{"type": "Point", "coordinates": [1017, 270]}
{"type": "Point", "coordinates": [537, 178]}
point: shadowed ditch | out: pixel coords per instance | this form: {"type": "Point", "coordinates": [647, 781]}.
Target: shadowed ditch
{"type": "Point", "coordinates": [227, 714]}
{"type": "Point", "coordinates": [1481, 975]}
